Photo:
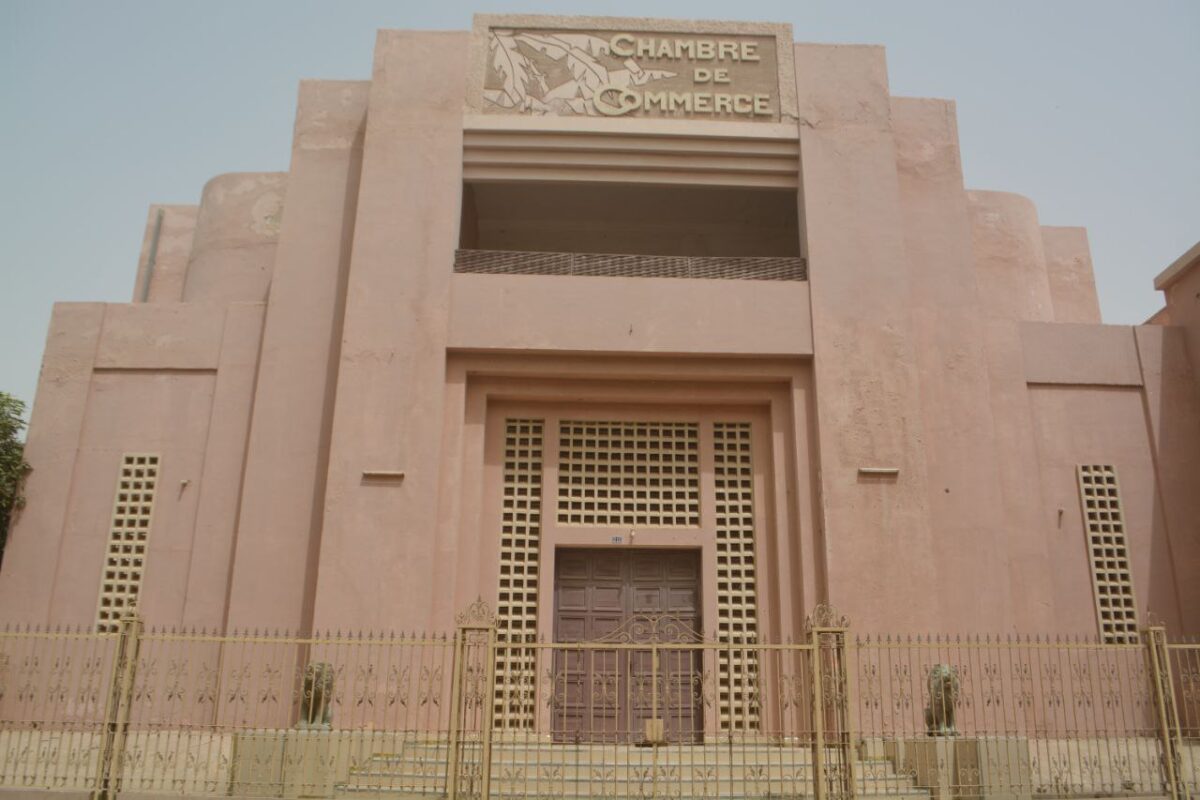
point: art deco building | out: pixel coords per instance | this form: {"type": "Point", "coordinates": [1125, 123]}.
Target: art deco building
{"type": "Point", "coordinates": [598, 317]}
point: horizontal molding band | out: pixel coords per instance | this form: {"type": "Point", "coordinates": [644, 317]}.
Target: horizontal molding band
{"type": "Point", "coordinates": [495, 140]}
{"type": "Point", "coordinates": [593, 160]}
{"type": "Point", "coordinates": [657, 177]}
{"type": "Point", "coordinates": [633, 158]}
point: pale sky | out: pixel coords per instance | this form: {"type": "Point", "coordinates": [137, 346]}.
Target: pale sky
{"type": "Point", "coordinates": [1092, 109]}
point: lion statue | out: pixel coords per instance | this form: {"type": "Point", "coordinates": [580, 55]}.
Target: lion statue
{"type": "Point", "coordinates": [943, 697]}
{"type": "Point", "coordinates": [316, 700]}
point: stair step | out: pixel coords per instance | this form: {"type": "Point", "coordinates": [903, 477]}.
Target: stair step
{"type": "Point", "coordinates": [610, 753]}
{"type": "Point", "coordinates": [618, 771]}
{"type": "Point", "coordinates": [586, 785]}
{"type": "Point", "coordinates": [376, 765]}
{"type": "Point", "coordinates": [397, 794]}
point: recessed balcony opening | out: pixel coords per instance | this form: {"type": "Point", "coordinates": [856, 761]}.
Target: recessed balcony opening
{"type": "Point", "coordinates": [630, 231]}
{"type": "Point", "coordinates": [629, 219]}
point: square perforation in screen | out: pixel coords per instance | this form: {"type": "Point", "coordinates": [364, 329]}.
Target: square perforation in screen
{"type": "Point", "coordinates": [737, 605]}
{"type": "Point", "coordinates": [520, 534]}
{"type": "Point", "coordinates": [128, 536]}
{"type": "Point", "coordinates": [629, 473]}
{"type": "Point", "coordinates": [1112, 578]}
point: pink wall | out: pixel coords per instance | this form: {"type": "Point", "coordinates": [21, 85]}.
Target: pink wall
{"type": "Point", "coordinates": [959, 446]}
{"type": "Point", "coordinates": [135, 412]}
{"type": "Point", "coordinates": [1069, 271]}
{"type": "Point", "coordinates": [1182, 291]}
{"type": "Point", "coordinates": [300, 330]}
{"type": "Point", "coordinates": [377, 545]}
{"type": "Point", "coordinates": [1010, 262]}
{"type": "Point", "coordinates": [220, 483]}
{"type": "Point", "coordinates": [866, 374]}
{"type": "Point", "coordinates": [233, 244]}
{"type": "Point", "coordinates": [51, 446]}
{"type": "Point", "coordinates": [279, 524]}
{"type": "Point", "coordinates": [132, 379]}
{"type": "Point", "coordinates": [1104, 355]}
{"type": "Point", "coordinates": [618, 315]}
{"type": "Point", "coordinates": [1092, 425]}
{"type": "Point", "coordinates": [166, 247]}
{"type": "Point", "coordinates": [1172, 409]}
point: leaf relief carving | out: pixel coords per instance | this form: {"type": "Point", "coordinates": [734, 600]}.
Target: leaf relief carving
{"type": "Point", "coordinates": [557, 73]}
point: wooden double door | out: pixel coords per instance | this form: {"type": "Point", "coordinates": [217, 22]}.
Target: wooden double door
{"type": "Point", "coordinates": [646, 604]}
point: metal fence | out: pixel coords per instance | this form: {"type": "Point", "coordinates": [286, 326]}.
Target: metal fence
{"type": "Point", "coordinates": [651, 710]}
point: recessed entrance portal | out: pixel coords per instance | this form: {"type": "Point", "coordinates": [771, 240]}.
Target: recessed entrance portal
{"type": "Point", "coordinates": [627, 597]}
{"type": "Point", "coordinates": [657, 512]}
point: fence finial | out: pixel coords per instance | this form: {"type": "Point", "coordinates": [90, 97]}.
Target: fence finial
{"type": "Point", "coordinates": [825, 616]}
{"type": "Point", "coordinates": [477, 615]}
{"type": "Point", "coordinates": [1152, 620]}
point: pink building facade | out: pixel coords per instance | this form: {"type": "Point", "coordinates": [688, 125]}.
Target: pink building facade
{"type": "Point", "coordinates": [597, 317]}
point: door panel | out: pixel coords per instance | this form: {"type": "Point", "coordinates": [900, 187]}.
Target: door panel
{"type": "Point", "coordinates": [607, 695]}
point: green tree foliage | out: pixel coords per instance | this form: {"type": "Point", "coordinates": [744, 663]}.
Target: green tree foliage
{"type": "Point", "coordinates": [12, 462]}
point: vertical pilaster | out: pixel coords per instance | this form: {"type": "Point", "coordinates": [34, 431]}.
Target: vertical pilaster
{"type": "Point", "coordinates": [971, 537]}
{"type": "Point", "coordinates": [1172, 407]}
{"type": "Point", "coordinates": [876, 531]}
{"type": "Point", "coordinates": [207, 591]}
{"type": "Point", "coordinates": [55, 426]}
{"type": "Point", "coordinates": [391, 374]}
{"type": "Point", "coordinates": [1069, 270]}
{"type": "Point", "coordinates": [279, 526]}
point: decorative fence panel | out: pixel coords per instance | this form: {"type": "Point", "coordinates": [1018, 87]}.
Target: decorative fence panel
{"type": "Point", "coordinates": [55, 692]}
{"type": "Point", "coordinates": [1182, 674]}
{"type": "Point", "coordinates": [637, 714]}
{"type": "Point", "coordinates": [1028, 717]}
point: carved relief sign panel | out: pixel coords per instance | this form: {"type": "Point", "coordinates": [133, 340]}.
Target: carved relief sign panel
{"type": "Point", "coordinates": [631, 73]}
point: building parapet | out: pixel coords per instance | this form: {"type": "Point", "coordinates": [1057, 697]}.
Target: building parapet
{"type": "Point", "coordinates": [1178, 268]}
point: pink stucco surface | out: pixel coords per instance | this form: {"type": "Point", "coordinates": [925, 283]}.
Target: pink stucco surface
{"type": "Point", "coordinates": [166, 248]}
{"type": "Point", "coordinates": [959, 451]}
{"type": "Point", "coordinates": [234, 240]}
{"type": "Point", "coordinates": [1010, 261]}
{"type": "Point", "coordinates": [327, 394]}
{"type": "Point", "coordinates": [1069, 271]}
{"type": "Point", "coordinates": [1181, 285]}
{"type": "Point", "coordinates": [279, 518]}
{"type": "Point", "coordinates": [867, 385]}
{"type": "Point", "coordinates": [527, 312]}
{"type": "Point", "coordinates": [1172, 409]}
{"type": "Point", "coordinates": [393, 350]}
{"type": "Point", "coordinates": [1096, 355]}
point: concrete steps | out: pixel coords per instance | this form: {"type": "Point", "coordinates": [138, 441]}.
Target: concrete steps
{"type": "Point", "coordinates": [616, 771]}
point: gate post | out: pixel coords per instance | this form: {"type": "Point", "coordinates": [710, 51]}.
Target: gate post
{"type": "Point", "coordinates": [455, 711]}
{"type": "Point", "coordinates": [117, 708]}
{"type": "Point", "coordinates": [817, 706]}
{"type": "Point", "coordinates": [475, 631]}
{"type": "Point", "coordinates": [1165, 710]}
{"type": "Point", "coordinates": [488, 717]}
{"type": "Point", "coordinates": [830, 704]}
